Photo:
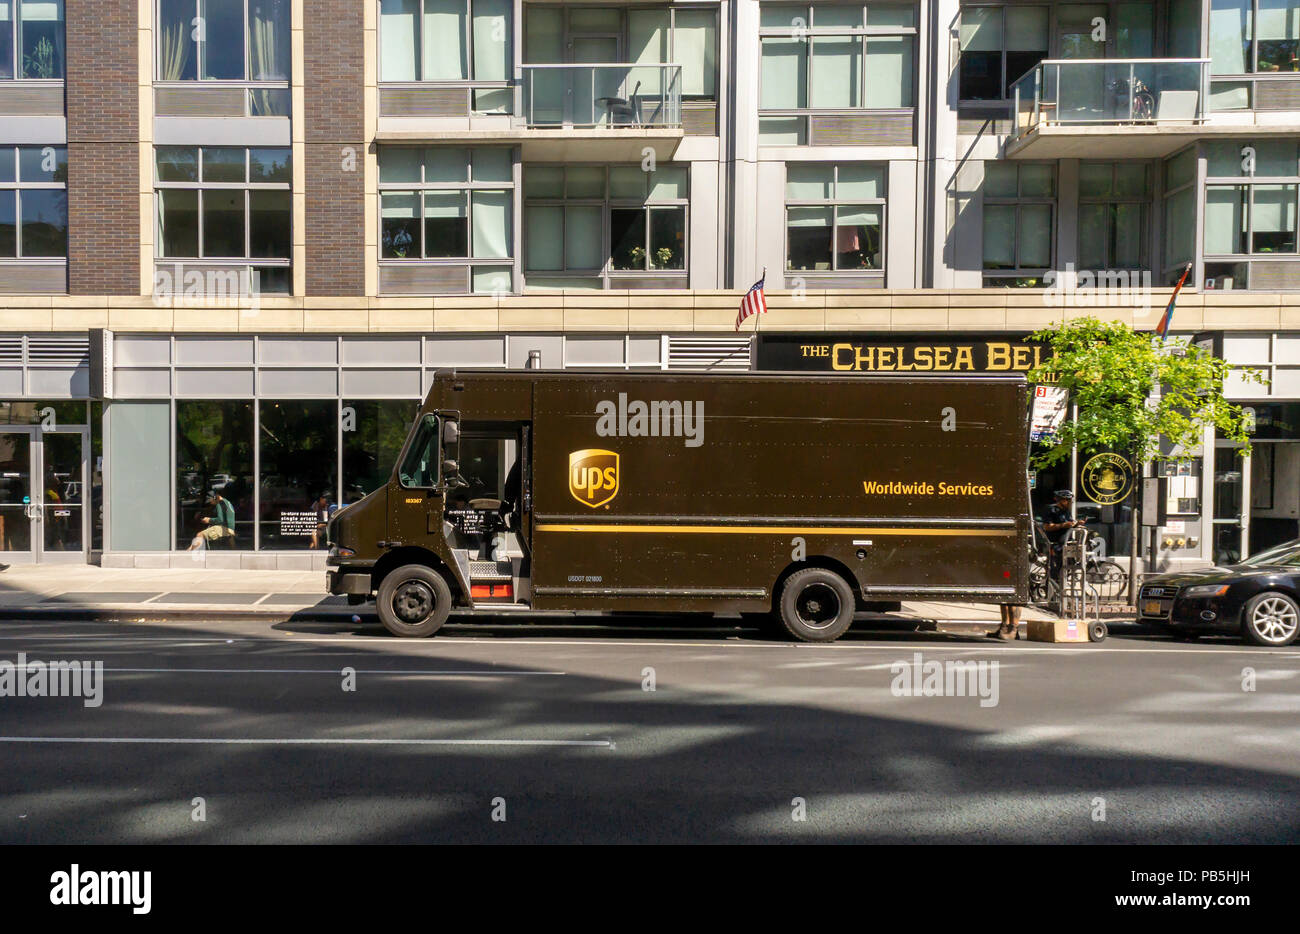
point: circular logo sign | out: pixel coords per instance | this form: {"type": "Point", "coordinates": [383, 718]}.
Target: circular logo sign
{"type": "Point", "coordinates": [1106, 479]}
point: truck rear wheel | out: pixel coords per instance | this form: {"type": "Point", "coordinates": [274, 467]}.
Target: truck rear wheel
{"type": "Point", "coordinates": [816, 605]}
{"type": "Point", "coordinates": [413, 601]}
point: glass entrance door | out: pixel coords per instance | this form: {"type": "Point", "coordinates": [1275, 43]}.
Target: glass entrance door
{"type": "Point", "coordinates": [1231, 506]}
{"type": "Point", "coordinates": [43, 477]}
{"type": "Point", "coordinates": [17, 449]}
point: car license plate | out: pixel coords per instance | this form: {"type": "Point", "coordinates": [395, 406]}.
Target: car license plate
{"type": "Point", "coordinates": [1151, 607]}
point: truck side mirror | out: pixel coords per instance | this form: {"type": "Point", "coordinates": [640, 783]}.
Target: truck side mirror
{"type": "Point", "coordinates": [450, 468]}
{"type": "Point", "coordinates": [450, 432]}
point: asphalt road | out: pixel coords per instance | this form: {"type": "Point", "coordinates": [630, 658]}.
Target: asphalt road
{"type": "Point", "coordinates": [553, 728]}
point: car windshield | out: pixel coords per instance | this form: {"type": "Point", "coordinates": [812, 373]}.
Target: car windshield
{"type": "Point", "coordinates": [1287, 553]}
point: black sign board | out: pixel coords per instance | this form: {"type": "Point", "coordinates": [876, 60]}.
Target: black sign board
{"type": "Point", "coordinates": [939, 353]}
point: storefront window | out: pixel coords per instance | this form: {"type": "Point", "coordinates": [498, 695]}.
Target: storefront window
{"type": "Point", "coordinates": [298, 459]}
{"type": "Point", "coordinates": [214, 454]}
{"type": "Point", "coordinates": [373, 433]}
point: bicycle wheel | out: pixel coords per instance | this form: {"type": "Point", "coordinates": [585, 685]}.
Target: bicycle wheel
{"type": "Point", "coordinates": [1110, 579]}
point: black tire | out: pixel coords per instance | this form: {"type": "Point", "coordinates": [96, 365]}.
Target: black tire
{"type": "Point", "coordinates": [1271, 619]}
{"type": "Point", "coordinates": [1097, 631]}
{"type": "Point", "coordinates": [413, 601]}
{"type": "Point", "coordinates": [816, 605]}
{"type": "Point", "coordinates": [356, 599]}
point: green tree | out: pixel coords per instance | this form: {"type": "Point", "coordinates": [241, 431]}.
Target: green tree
{"type": "Point", "coordinates": [1111, 373]}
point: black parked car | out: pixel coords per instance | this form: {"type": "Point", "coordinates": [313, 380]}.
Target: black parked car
{"type": "Point", "coordinates": [1259, 598]}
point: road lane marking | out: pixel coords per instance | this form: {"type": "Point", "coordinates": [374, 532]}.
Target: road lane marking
{"type": "Point", "coordinates": [449, 673]}
{"type": "Point", "coordinates": [278, 741]}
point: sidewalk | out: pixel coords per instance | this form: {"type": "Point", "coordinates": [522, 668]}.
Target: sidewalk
{"type": "Point", "coordinates": [82, 591]}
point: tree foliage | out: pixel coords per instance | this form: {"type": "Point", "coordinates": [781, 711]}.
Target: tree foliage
{"type": "Point", "coordinates": [1112, 373]}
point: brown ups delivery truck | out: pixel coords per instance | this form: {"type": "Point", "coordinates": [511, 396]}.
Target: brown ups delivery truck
{"type": "Point", "coordinates": [804, 497]}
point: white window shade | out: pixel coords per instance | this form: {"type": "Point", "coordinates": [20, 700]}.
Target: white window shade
{"type": "Point", "coordinates": [1274, 208]}
{"type": "Point", "coordinates": [1026, 29]}
{"type": "Point", "coordinates": [784, 73]}
{"type": "Point", "coordinates": [1034, 240]}
{"type": "Point", "coordinates": [46, 12]}
{"type": "Point", "coordinates": [809, 217]}
{"type": "Point", "coordinates": [860, 181]}
{"type": "Point", "coordinates": [809, 182]}
{"type": "Point", "coordinates": [1230, 35]}
{"type": "Point", "coordinates": [981, 29]}
{"type": "Point", "coordinates": [583, 229]}
{"type": "Point", "coordinates": [491, 224]}
{"type": "Point", "coordinates": [444, 40]}
{"type": "Point", "coordinates": [837, 72]}
{"type": "Point", "coordinates": [999, 236]}
{"type": "Point", "coordinates": [544, 231]}
{"type": "Point", "coordinates": [1224, 219]}
{"type": "Point", "coordinates": [889, 72]}
{"type": "Point", "coordinates": [647, 33]}
{"type": "Point", "coordinates": [492, 58]}
{"type": "Point", "coordinates": [399, 39]}
{"type": "Point", "coordinates": [695, 48]}
{"type": "Point", "coordinates": [1278, 19]}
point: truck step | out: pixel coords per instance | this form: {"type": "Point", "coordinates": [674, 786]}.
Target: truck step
{"type": "Point", "coordinates": [489, 571]}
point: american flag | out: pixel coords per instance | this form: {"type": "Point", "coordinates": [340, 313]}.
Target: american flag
{"type": "Point", "coordinates": [754, 302]}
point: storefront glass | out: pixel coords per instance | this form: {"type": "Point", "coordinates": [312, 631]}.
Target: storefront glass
{"type": "Point", "coordinates": [298, 458]}
{"type": "Point", "coordinates": [214, 453]}
{"type": "Point", "coordinates": [373, 433]}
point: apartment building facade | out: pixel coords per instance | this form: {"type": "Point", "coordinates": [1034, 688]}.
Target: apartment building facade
{"type": "Point", "coordinates": [238, 236]}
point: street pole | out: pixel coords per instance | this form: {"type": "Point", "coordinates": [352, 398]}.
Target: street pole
{"type": "Point", "coordinates": [1135, 540]}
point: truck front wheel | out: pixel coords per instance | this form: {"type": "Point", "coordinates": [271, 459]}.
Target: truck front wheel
{"type": "Point", "coordinates": [816, 605]}
{"type": "Point", "coordinates": [413, 601]}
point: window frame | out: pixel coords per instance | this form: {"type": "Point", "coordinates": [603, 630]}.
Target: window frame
{"type": "Point", "coordinates": [864, 34]}
{"type": "Point", "coordinates": [409, 450]}
{"type": "Point", "coordinates": [16, 48]}
{"type": "Point", "coordinates": [835, 202]}
{"type": "Point", "coordinates": [467, 37]}
{"type": "Point", "coordinates": [1250, 183]}
{"type": "Point", "coordinates": [1006, 81]}
{"type": "Point", "coordinates": [623, 35]}
{"type": "Point", "coordinates": [1254, 40]}
{"type": "Point", "coordinates": [609, 276]}
{"type": "Point", "coordinates": [18, 186]}
{"type": "Point", "coordinates": [246, 186]}
{"type": "Point", "coordinates": [466, 188]}
{"type": "Point", "coordinates": [1020, 201]}
{"type": "Point", "coordinates": [1144, 202]}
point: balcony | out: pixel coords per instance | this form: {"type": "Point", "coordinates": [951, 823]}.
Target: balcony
{"type": "Point", "coordinates": [609, 110]}
{"type": "Point", "coordinates": [1108, 108]}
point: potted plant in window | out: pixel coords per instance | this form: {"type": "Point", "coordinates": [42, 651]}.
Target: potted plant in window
{"type": "Point", "coordinates": [663, 257]}
{"type": "Point", "coordinates": [39, 63]}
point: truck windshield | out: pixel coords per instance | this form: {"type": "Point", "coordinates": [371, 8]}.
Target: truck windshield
{"type": "Point", "coordinates": [420, 467]}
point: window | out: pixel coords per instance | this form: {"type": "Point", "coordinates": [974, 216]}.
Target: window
{"type": "Point", "coordinates": [32, 39]}
{"type": "Point", "coordinates": [33, 202]}
{"type": "Point", "coordinates": [449, 40]}
{"type": "Point", "coordinates": [298, 457]}
{"type": "Point", "coordinates": [449, 203]}
{"type": "Point", "coordinates": [1019, 198]}
{"type": "Point", "coordinates": [998, 45]}
{"type": "Point", "coordinates": [1179, 213]}
{"type": "Point", "coordinates": [420, 468]}
{"type": "Point", "coordinates": [1254, 36]}
{"type": "Point", "coordinates": [374, 431]}
{"type": "Point", "coordinates": [597, 224]}
{"type": "Point", "coordinates": [834, 217]}
{"type": "Point", "coordinates": [833, 57]}
{"type": "Point", "coordinates": [1114, 201]}
{"type": "Point", "coordinates": [1258, 213]}
{"type": "Point", "coordinates": [226, 203]}
{"type": "Point", "coordinates": [687, 36]}
{"type": "Point", "coordinates": [214, 454]}
{"type": "Point", "coordinates": [228, 40]}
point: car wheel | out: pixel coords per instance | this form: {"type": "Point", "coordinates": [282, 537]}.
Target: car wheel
{"type": "Point", "coordinates": [1271, 619]}
{"type": "Point", "coordinates": [413, 601]}
{"type": "Point", "coordinates": [816, 605]}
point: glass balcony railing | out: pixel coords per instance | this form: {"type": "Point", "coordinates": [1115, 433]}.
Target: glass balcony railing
{"type": "Point", "coordinates": [602, 95]}
{"type": "Point", "coordinates": [1111, 92]}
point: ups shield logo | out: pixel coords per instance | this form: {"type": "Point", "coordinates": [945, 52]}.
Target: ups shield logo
{"type": "Point", "coordinates": [593, 476]}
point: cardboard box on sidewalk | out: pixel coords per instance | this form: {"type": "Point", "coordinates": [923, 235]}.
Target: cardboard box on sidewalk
{"type": "Point", "coordinates": [1057, 630]}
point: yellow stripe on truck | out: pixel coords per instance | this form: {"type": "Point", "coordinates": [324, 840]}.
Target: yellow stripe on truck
{"type": "Point", "coordinates": [769, 530]}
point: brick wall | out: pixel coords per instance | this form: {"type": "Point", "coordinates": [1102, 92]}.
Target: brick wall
{"type": "Point", "coordinates": [103, 148]}
{"type": "Point", "coordinates": [333, 62]}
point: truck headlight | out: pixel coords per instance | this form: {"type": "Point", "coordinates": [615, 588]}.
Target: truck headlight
{"type": "Point", "coordinates": [338, 551]}
{"type": "Point", "coordinates": [1206, 590]}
